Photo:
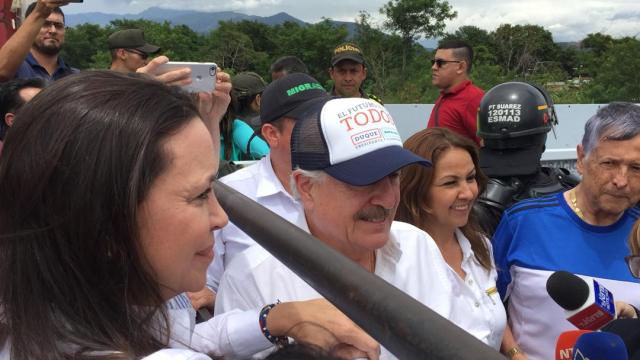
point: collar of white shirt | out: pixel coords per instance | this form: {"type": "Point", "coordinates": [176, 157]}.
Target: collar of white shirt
{"type": "Point", "coordinates": [268, 182]}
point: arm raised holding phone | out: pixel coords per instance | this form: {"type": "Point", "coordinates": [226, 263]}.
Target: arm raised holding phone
{"type": "Point", "coordinates": [42, 35]}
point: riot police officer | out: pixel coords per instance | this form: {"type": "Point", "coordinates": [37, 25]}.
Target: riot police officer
{"type": "Point", "coordinates": [513, 121]}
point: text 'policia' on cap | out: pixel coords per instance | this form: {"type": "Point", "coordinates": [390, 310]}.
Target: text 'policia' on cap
{"type": "Point", "coordinates": [285, 96]}
{"type": "Point", "coordinates": [347, 51]}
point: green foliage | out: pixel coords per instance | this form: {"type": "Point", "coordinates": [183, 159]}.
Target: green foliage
{"type": "Point", "coordinates": [412, 18]}
{"type": "Point", "coordinates": [598, 43]}
{"type": "Point", "coordinates": [475, 36]}
{"type": "Point", "coordinates": [619, 75]}
{"type": "Point", "coordinates": [601, 69]}
{"type": "Point", "coordinates": [520, 48]}
{"type": "Point", "coordinates": [380, 50]}
{"type": "Point", "coordinates": [230, 48]}
{"type": "Point", "coordinates": [179, 43]}
{"type": "Point", "coordinates": [83, 42]}
{"type": "Point", "coordinates": [313, 44]}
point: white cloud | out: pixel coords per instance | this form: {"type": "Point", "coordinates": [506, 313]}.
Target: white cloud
{"type": "Point", "coordinates": [567, 20]}
{"type": "Point", "coordinates": [211, 6]}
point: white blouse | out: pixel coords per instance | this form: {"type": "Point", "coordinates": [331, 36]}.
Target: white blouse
{"type": "Point", "coordinates": [476, 306]}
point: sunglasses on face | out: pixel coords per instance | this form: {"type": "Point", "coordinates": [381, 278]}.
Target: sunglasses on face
{"type": "Point", "coordinates": [633, 262]}
{"type": "Point", "coordinates": [48, 24]}
{"type": "Point", "coordinates": [440, 62]}
{"type": "Point", "coordinates": [142, 55]}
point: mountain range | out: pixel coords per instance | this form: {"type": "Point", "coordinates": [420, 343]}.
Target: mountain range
{"type": "Point", "coordinates": [202, 22]}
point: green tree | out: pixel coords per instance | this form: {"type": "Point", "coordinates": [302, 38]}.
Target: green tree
{"type": "Point", "coordinates": [230, 48]}
{"type": "Point", "coordinates": [264, 46]}
{"type": "Point", "coordinates": [380, 51]}
{"type": "Point", "coordinates": [598, 43]}
{"type": "Point", "coordinates": [179, 43]}
{"type": "Point", "coordinates": [595, 47]}
{"type": "Point", "coordinates": [313, 44]}
{"type": "Point", "coordinates": [261, 34]}
{"type": "Point", "coordinates": [615, 82]}
{"type": "Point", "coordinates": [569, 59]}
{"type": "Point", "coordinates": [83, 42]}
{"type": "Point", "coordinates": [472, 34]}
{"type": "Point", "coordinates": [520, 48]}
{"type": "Point", "coordinates": [412, 18]}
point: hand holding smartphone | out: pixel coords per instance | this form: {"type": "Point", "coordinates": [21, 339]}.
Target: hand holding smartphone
{"type": "Point", "coordinates": [203, 75]}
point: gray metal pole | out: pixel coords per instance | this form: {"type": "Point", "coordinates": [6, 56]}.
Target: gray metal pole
{"type": "Point", "coordinates": [403, 325]}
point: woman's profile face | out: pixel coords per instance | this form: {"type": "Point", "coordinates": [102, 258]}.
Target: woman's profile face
{"type": "Point", "coordinates": [180, 212]}
{"type": "Point", "coordinates": [453, 189]}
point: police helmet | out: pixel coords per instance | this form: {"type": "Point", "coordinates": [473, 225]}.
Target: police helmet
{"type": "Point", "coordinates": [515, 115]}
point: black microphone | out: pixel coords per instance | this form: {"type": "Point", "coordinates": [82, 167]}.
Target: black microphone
{"type": "Point", "coordinates": [588, 305]}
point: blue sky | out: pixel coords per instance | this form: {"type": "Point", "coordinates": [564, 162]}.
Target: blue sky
{"type": "Point", "coordinates": [568, 20]}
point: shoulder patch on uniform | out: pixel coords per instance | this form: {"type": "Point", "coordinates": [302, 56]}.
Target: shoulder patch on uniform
{"type": "Point", "coordinates": [375, 98]}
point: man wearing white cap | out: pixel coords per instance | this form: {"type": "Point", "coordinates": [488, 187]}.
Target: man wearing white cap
{"type": "Point", "coordinates": [345, 155]}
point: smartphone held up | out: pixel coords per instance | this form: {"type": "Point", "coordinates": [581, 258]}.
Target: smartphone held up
{"type": "Point", "coordinates": [203, 75]}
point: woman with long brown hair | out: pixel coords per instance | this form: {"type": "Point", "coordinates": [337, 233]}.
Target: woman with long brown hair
{"type": "Point", "coordinates": [106, 214]}
{"type": "Point", "coordinates": [439, 200]}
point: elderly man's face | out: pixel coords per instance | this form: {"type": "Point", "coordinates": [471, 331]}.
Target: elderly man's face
{"type": "Point", "coordinates": [352, 219]}
{"type": "Point", "coordinates": [611, 175]}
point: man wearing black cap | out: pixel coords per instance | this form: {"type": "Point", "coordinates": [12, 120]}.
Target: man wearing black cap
{"type": "Point", "coordinates": [33, 51]}
{"type": "Point", "coordinates": [129, 50]}
{"type": "Point", "coordinates": [348, 71]}
{"type": "Point", "coordinates": [267, 181]}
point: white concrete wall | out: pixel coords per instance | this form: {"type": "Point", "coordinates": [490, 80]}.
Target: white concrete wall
{"type": "Point", "coordinates": [411, 118]}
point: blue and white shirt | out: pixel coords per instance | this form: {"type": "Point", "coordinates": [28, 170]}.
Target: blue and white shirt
{"type": "Point", "coordinates": [539, 236]}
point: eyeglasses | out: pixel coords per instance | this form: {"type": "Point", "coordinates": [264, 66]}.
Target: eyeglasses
{"type": "Point", "coordinates": [143, 56]}
{"type": "Point", "coordinates": [58, 25]}
{"type": "Point", "coordinates": [440, 62]}
{"type": "Point", "coordinates": [633, 262]}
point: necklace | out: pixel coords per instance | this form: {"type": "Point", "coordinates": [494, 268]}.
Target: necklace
{"type": "Point", "coordinates": [574, 203]}
{"type": "Point", "coordinates": [373, 262]}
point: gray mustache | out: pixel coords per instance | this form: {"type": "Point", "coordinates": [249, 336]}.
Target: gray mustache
{"type": "Point", "coordinates": [373, 213]}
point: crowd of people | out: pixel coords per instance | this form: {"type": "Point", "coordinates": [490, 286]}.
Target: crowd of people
{"type": "Point", "coordinates": [113, 244]}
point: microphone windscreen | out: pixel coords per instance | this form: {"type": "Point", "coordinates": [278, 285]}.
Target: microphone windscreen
{"type": "Point", "coordinates": [567, 290]}
{"type": "Point", "coordinates": [565, 343]}
{"type": "Point", "coordinates": [600, 346]}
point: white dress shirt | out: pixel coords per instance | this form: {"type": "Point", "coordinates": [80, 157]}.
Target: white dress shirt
{"type": "Point", "coordinates": [259, 183]}
{"type": "Point", "coordinates": [410, 261]}
{"type": "Point", "coordinates": [232, 335]}
{"type": "Point", "coordinates": [476, 301]}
